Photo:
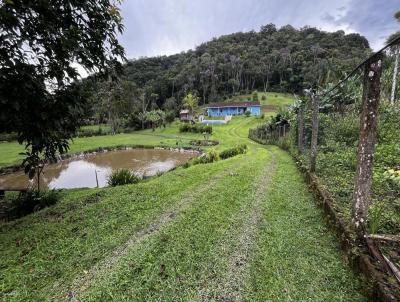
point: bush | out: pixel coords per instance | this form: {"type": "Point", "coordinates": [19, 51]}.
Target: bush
{"type": "Point", "coordinates": [210, 157]}
{"type": "Point", "coordinates": [170, 116]}
{"type": "Point", "coordinates": [8, 137]}
{"type": "Point", "coordinates": [121, 177]}
{"type": "Point", "coordinates": [196, 128]}
{"type": "Point", "coordinates": [263, 98]}
{"type": "Point", "coordinates": [29, 202]}
{"type": "Point", "coordinates": [82, 132]}
{"type": "Point", "coordinates": [240, 149]}
{"type": "Point", "coordinates": [255, 96]}
{"type": "Point", "coordinates": [247, 113]}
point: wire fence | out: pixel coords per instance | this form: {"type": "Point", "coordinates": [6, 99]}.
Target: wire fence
{"type": "Point", "coordinates": [348, 135]}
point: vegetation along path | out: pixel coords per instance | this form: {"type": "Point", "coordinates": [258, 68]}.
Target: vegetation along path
{"type": "Point", "coordinates": [241, 229]}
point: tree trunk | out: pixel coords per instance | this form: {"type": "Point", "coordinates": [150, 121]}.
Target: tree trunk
{"type": "Point", "coordinates": [368, 125]}
{"type": "Point", "coordinates": [300, 138]}
{"type": "Point", "coordinates": [396, 65]}
{"type": "Point", "coordinates": [314, 134]}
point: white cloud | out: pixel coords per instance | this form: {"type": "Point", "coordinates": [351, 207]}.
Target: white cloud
{"type": "Point", "coordinates": [158, 27]}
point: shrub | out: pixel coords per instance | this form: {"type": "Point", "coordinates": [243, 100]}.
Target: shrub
{"type": "Point", "coordinates": [196, 128]}
{"type": "Point", "coordinates": [240, 149]}
{"type": "Point", "coordinates": [92, 132]}
{"type": "Point", "coordinates": [263, 97]}
{"type": "Point", "coordinates": [255, 96]}
{"type": "Point", "coordinates": [8, 137]}
{"type": "Point", "coordinates": [210, 157]}
{"type": "Point", "coordinates": [247, 113]}
{"type": "Point", "coordinates": [121, 177]}
{"type": "Point", "coordinates": [31, 201]}
{"type": "Point", "coordinates": [170, 116]}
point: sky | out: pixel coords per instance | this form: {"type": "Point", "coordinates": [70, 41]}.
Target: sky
{"type": "Point", "coordinates": [164, 27]}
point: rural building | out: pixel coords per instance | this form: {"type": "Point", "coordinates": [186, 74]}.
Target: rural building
{"type": "Point", "coordinates": [185, 115]}
{"type": "Point", "coordinates": [233, 108]}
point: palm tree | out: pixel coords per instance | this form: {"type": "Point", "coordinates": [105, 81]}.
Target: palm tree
{"type": "Point", "coordinates": [190, 102]}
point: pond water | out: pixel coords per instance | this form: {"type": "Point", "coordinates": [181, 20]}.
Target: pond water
{"type": "Point", "coordinates": [81, 171]}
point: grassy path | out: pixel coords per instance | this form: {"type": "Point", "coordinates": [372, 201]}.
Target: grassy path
{"type": "Point", "coordinates": [103, 267]}
{"type": "Point", "coordinates": [242, 229]}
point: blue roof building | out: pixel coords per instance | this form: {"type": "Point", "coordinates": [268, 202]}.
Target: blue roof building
{"type": "Point", "coordinates": [234, 108]}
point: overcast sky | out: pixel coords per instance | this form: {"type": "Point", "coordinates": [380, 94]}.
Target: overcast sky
{"type": "Point", "coordinates": [163, 27]}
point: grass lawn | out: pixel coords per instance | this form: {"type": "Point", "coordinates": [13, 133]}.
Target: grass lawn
{"type": "Point", "coordinates": [273, 102]}
{"type": "Point", "coordinates": [104, 127]}
{"type": "Point", "coordinates": [244, 229]}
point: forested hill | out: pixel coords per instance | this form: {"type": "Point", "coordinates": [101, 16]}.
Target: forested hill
{"type": "Point", "coordinates": [284, 59]}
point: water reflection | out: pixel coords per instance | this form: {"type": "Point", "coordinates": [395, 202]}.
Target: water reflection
{"type": "Point", "coordinates": [80, 172]}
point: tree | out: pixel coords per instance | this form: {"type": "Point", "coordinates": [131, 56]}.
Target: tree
{"type": "Point", "coordinates": [40, 43]}
{"type": "Point", "coordinates": [156, 118]}
{"type": "Point", "coordinates": [190, 102]}
{"type": "Point", "coordinates": [254, 96]}
{"type": "Point", "coordinates": [286, 59]}
{"type": "Point", "coordinates": [395, 49]}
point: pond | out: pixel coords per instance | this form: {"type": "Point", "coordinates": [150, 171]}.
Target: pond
{"type": "Point", "coordinates": [79, 172]}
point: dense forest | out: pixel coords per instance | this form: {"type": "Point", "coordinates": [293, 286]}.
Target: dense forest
{"type": "Point", "coordinates": [274, 59]}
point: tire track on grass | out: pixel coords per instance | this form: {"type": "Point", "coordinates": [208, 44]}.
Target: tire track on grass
{"type": "Point", "coordinates": [232, 283]}
{"type": "Point", "coordinates": [82, 283]}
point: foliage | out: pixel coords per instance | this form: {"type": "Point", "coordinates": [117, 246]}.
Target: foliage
{"type": "Point", "coordinates": [239, 149]}
{"type": "Point", "coordinates": [195, 128]}
{"type": "Point", "coordinates": [156, 118]}
{"type": "Point", "coordinates": [210, 157]}
{"type": "Point", "coordinates": [190, 102]}
{"type": "Point", "coordinates": [247, 113]}
{"type": "Point", "coordinates": [40, 98]}
{"type": "Point", "coordinates": [393, 176]}
{"type": "Point", "coordinates": [88, 132]}
{"type": "Point", "coordinates": [282, 59]}
{"type": "Point", "coordinates": [8, 137]}
{"type": "Point", "coordinates": [121, 177]}
{"type": "Point", "coordinates": [255, 96]}
{"type": "Point", "coordinates": [170, 116]}
{"type": "Point", "coordinates": [28, 202]}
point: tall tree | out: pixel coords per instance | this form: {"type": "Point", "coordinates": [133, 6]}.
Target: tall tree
{"type": "Point", "coordinates": [396, 50]}
{"type": "Point", "coordinates": [40, 43]}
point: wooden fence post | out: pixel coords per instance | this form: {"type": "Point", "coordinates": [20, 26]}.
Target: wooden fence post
{"type": "Point", "coordinates": [366, 145]}
{"type": "Point", "coordinates": [300, 137]}
{"type": "Point", "coordinates": [314, 134]}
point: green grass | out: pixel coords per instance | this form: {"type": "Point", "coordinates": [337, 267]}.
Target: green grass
{"type": "Point", "coordinates": [185, 258]}
{"type": "Point", "coordinates": [104, 127]}
{"type": "Point", "coordinates": [295, 249]}
{"type": "Point", "coordinates": [274, 100]}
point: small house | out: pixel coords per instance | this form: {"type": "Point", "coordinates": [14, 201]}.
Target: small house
{"type": "Point", "coordinates": [185, 115]}
{"type": "Point", "coordinates": [233, 108]}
